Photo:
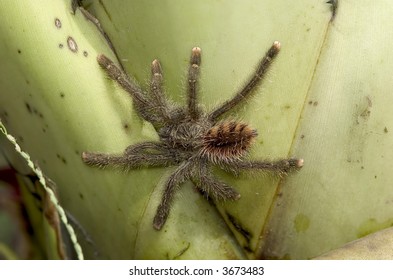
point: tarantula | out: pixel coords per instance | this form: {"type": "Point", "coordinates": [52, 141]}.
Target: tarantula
{"type": "Point", "coordinates": [190, 138]}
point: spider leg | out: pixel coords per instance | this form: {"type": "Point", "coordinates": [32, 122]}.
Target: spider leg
{"type": "Point", "coordinates": [281, 167]}
{"type": "Point", "coordinates": [142, 103]}
{"type": "Point", "coordinates": [255, 80]}
{"type": "Point", "coordinates": [181, 174]}
{"type": "Point", "coordinates": [157, 149]}
{"type": "Point", "coordinates": [160, 103]}
{"type": "Point", "coordinates": [145, 147]}
{"type": "Point", "coordinates": [213, 187]}
{"type": "Point", "coordinates": [144, 154]}
{"type": "Point", "coordinates": [115, 73]}
{"type": "Point", "coordinates": [193, 75]}
{"type": "Point", "coordinates": [96, 22]}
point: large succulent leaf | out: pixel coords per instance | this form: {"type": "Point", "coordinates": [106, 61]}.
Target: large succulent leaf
{"type": "Point", "coordinates": [323, 100]}
{"type": "Point", "coordinates": [376, 246]}
{"type": "Point", "coordinates": [344, 191]}
{"type": "Point", "coordinates": [53, 91]}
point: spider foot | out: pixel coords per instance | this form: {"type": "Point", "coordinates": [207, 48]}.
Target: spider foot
{"type": "Point", "coordinates": [99, 160]}
{"type": "Point", "coordinates": [285, 166]}
{"type": "Point", "coordinates": [281, 167]}
{"type": "Point", "coordinates": [160, 217]}
{"type": "Point", "coordinates": [295, 163]}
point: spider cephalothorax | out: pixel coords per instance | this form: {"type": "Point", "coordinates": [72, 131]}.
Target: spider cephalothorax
{"type": "Point", "coordinates": [189, 137]}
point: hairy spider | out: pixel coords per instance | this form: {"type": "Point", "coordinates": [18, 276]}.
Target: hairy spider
{"type": "Point", "coordinates": [190, 138]}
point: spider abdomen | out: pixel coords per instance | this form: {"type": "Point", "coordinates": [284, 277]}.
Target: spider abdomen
{"type": "Point", "coordinates": [228, 141]}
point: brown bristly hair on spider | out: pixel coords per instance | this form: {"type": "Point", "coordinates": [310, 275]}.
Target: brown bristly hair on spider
{"type": "Point", "coordinates": [228, 141]}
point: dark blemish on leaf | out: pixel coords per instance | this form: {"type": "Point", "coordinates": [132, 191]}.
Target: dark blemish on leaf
{"type": "Point", "coordinates": [62, 94]}
{"type": "Point", "coordinates": [19, 51]}
{"type": "Point", "coordinates": [315, 103]}
{"type": "Point", "coordinates": [57, 23]}
{"type": "Point", "coordinates": [43, 130]}
{"type": "Point", "coordinates": [85, 53]}
{"type": "Point", "coordinates": [61, 46]}
{"type": "Point", "coordinates": [126, 126]}
{"type": "Point", "coordinates": [81, 196]}
{"type": "Point", "coordinates": [333, 7]}
{"type": "Point", "coordinates": [27, 82]}
{"type": "Point", "coordinates": [309, 102]}
{"type": "Point", "coordinates": [385, 130]}
{"type": "Point", "coordinates": [302, 136]}
{"type": "Point", "coordinates": [36, 112]}
{"type": "Point", "coordinates": [28, 107]}
{"type": "Point", "coordinates": [375, 176]}
{"type": "Point", "coordinates": [361, 167]}
{"type": "Point", "coordinates": [72, 45]}
{"type": "Point", "coordinates": [239, 228]}
{"type": "Point", "coordinates": [61, 158]}
{"type": "Point", "coordinates": [248, 249]}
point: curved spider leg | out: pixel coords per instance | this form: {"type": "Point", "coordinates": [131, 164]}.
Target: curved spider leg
{"type": "Point", "coordinates": [148, 154]}
{"type": "Point", "coordinates": [193, 76]}
{"type": "Point", "coordinates": [142, 102]}
{"type": "Point", "coordinates": [206, 182]}
{"type": "Point", "coordinates": [179, 176]}
{"type": "Point", "coordinates": [281, 167]}
{"type": "Point", "coordinates": [255, 80]}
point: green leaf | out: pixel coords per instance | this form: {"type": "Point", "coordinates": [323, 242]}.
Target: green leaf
{"type": "Point", "coordinates": [325, 100]}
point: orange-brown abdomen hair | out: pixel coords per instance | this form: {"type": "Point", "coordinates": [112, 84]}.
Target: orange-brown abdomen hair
{"type": "Point", "coordinates": [228, 141]}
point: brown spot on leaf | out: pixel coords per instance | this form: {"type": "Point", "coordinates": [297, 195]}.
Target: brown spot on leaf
{"type": "Point", "coordinates": [72, 45]}
{"type": "Point", "coordinates": [57, 23]}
